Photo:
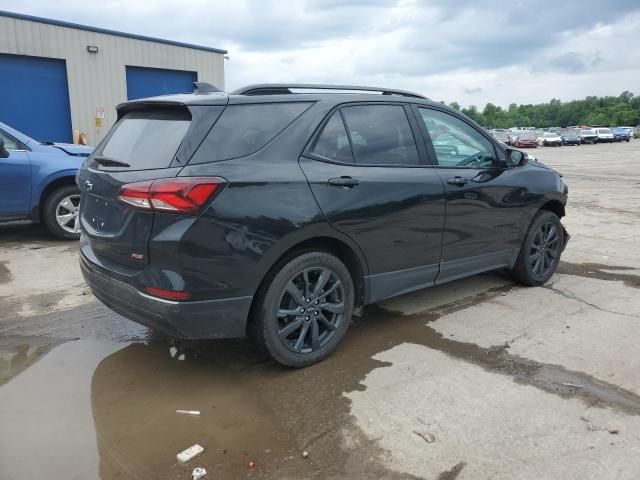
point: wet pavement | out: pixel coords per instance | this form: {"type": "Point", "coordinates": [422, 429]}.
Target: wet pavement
{"type": "Point", "coordinates": [479, 378]}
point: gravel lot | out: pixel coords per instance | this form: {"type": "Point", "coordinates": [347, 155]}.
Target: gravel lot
{"type": "Point", "coordinates": [479, 378]}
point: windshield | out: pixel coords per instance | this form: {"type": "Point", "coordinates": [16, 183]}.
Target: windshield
{"type": "Point", "coordinates": [525, 136]}
{"type": "Point", "coordinates": [548, 135]}
{"type": "Point", "coordinates": [604, 130]}
{"type": "Point", "coordinates": [146, 140]}
{"type": "Point", "coordinates": [586, 132]}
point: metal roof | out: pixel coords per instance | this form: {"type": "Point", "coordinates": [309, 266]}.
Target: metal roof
{"type": "Point", "coordinates": [106, 31]}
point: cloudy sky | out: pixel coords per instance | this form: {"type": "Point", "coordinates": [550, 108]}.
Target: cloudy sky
{"type": "Point", "coordinates": [470, 51]}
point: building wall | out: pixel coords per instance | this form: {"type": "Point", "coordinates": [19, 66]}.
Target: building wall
{"type": "Point", "coordinates": [98, 79]}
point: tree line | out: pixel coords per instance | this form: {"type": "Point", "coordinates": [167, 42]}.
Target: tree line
{"type": "Point", "coordinates": [623, 110]}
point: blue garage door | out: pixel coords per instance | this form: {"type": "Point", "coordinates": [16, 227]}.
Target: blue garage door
{"type": "Point", "coordinates": [34, 97]}
{"type": "Point", "coordinates": [148, 82]}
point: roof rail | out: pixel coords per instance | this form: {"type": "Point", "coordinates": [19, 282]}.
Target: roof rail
{"type": "Point", "coordinates": [285, 88]}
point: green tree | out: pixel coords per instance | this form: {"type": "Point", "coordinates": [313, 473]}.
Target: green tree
{"type": "Point", "coordinates": [621, 110]}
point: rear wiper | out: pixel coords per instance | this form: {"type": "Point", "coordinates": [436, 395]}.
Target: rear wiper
{"type": "Point", "coordinates": [110, 162]}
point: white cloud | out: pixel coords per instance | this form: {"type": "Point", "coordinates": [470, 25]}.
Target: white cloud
{"type": "Point", "coordinates": [469, 51]}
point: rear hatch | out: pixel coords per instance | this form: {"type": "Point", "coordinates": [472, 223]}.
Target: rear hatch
{"type": "Point", "coordinates": [149, 142]}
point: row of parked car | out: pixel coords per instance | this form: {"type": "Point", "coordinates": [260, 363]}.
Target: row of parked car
{"type": "Point", "coordinates": [558, 138]}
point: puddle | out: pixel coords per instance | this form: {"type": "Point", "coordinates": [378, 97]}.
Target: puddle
{"type": "Point", "coordinates": [18, 353]}
{"type": "Point", "coordinates": [16, 306]}
{"type": "Point", "coordinates": [601, 272]}
{"type": "Point", "coordinates": [453, 473]}
{"type": "Point", "coordinates": [251, 409]}
{"type": "Point", "coordinates": [5, 273]}
{"type": "Point", "coordinates": [27, 235]}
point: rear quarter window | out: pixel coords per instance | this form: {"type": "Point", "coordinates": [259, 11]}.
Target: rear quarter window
{"type": "Point", "coordinates": [242, 130]}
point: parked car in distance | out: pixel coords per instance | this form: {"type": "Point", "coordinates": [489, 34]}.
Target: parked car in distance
{"type": "Point", "coordinates": [278, 214]}
{"type": "Point", "coordinates": [631, 131]}
{"type": "Point", "coordinates": [587, 135]}
{"type": "Point", "coordinates": [620, 134]}
{"type": "Point", "coordinates": [571, 138]}
{"type": "Point", "coordinates": [604, 135]}
{"type": "Point", "coordinates": [550, 139]}
{"type": "Point", "coordinates": [37, 181]}
{"type": "Point", "coordinates": [502, 136]}
{"type": "Point", "coordinates": [522, 140]}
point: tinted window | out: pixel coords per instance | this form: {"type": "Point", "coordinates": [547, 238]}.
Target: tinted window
{"type": "Point", "coordinates": [9, 142]}
{"type": "Point", "coordinates": [147, 139]}
{"type": "Point", "coordinates": [333, 142]}
{"type": "Point", "coordinates": [457, 144]}
{"type": "Point", "coordinates": [381, 135]}
{"type": "Point", "coordinates": [244, 129]}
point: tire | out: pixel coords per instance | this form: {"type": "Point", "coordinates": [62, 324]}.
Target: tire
{"type": "Point", "coordinates": [295, 347]}
{"type": "Point", "coordinates": [527, 270]}
{"type": "Point", "coordinates": [63, 201]}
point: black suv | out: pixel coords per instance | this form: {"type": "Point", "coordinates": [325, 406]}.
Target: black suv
{"type": "Point", "coordinates": [278, 210]}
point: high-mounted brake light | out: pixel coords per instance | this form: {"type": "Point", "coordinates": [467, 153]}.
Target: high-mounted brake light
{"type": "Point", "coordinates": [178, 195]}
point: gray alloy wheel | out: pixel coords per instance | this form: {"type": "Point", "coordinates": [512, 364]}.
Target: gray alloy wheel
{"type": "Point", "coordinates": [61, 212]}
{"type": "Point", "coordinates": [310, 310]}
{"type": "Point", "coordinates": [67, 212]}
{"type": "Point", "coordinates": [303, 309]}
{"type": "Point", "coordinates": [541, 250]}
{"type": "Point", "coordinates": [545, 249]}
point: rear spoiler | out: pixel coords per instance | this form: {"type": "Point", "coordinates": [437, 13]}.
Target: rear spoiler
{"type": "Point", "coordinates": [179, 100]}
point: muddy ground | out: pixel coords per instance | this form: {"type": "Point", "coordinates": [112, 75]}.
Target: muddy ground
{"type": "Point", "coordinates": [480, 378]}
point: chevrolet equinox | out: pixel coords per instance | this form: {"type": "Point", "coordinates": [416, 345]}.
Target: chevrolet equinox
{"type": "Point", "coordinates": [278, 210]}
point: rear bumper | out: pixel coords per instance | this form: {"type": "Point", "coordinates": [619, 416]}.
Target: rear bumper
{"type": "Point", "coordinates": [221, 318]}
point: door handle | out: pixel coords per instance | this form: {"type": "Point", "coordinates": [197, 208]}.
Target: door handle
{"type": "Point", "coordinates": [458, 181]}
{"type": "Point", "coordinates": [347, 182]}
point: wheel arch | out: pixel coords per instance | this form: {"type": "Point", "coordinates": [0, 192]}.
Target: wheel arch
{"type": "Point", "coordinates": [554, 206]}
{"type": "Point", "coordinates": [50, 187]}
{"type": "Point", "coordinates": [341, 249]}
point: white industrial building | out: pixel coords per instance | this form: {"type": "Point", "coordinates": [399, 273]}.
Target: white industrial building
{"type": "Point", "coordinates": [57, 77]}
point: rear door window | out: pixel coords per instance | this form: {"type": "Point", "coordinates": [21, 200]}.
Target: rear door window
{"type": "Point", "coordinates": [147, 139]}
{"type": "Point", "coordinates": [333, 142]}
{"type": "Point", "coordinates": [381, 135]}
{"type": "Point", "coordinates": [244, 129]}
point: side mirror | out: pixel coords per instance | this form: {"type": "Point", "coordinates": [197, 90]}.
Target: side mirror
{"type": "Point", "coordinates": [3, 151]}
{"type": "Point", "coordinates": [516, 158]}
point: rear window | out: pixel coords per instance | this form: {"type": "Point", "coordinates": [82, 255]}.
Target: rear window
{"type": "Point", "coordinates": [244, 129]}
{"type": "Point", "coordinates": [147, 139]}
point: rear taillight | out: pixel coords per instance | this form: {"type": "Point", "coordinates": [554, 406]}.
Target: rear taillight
{"type": "Point", "coordinates": [177, 195]}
